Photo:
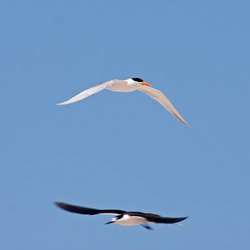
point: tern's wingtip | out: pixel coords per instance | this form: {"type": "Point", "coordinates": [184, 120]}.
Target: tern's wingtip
{"type": "Point", "coordinates": [184, 122]}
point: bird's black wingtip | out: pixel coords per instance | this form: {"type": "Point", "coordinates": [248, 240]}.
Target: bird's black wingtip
{"type": "Point", "coordinates": [175, 220]}
{"type": "Point", "coordinates": [60, 204]}
{"type": "Point", "coordinates": [183, 218]}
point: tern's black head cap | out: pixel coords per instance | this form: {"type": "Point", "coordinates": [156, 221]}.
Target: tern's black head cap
{"type": "Point", "coordinates": [137, 79]}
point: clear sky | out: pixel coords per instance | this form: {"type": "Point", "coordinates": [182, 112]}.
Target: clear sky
{"type": "Point", "coordinates": [124, 151]}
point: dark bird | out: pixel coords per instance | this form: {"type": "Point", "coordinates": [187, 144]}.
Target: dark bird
{"type": "Point", "coordinates": [123, 218]}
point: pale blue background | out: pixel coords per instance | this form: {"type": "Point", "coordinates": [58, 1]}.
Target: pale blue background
{"type": "Point", "coordinates": [118, 150]}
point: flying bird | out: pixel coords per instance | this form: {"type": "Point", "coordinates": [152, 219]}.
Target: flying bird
{"type": "Point", "coordinates": [123, 218]}
{"type": "Point", "coordinates": [128, 85]}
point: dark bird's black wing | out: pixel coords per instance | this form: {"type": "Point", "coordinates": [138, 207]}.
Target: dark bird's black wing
{"type": "Point", "coordinates": [86, 210]}
{"type": "Point", "coordinates": [167, 219]}
{"type": "Point", "coordinates": [157, 218]}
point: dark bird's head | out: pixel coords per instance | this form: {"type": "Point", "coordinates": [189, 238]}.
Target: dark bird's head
{"type": "Point", "coordinates": [113, 220]}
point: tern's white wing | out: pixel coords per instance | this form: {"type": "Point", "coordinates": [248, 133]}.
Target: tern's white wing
{"type": "Point", "coordinates": [88, 92]}
{"type": "Point", "coordinates": [163, 100]}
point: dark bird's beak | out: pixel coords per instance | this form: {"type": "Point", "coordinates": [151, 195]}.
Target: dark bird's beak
{"type": "Point", "coordinates": [109, 222]}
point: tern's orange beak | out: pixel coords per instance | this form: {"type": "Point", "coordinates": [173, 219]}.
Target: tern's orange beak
{"type": "Point", "coordinates": [145, 83]}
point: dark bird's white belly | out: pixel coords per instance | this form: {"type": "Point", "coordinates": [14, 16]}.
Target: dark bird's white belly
{"type": "Point", "coordinates": [127, 220]}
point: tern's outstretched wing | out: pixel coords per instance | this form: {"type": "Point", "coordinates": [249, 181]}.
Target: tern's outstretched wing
{"type": "Point", "coordinates": [88, 92]}
{"type": "Point", "coordinates": [86, 210]}
{"type": "Point", "coordinates": [163, 100]}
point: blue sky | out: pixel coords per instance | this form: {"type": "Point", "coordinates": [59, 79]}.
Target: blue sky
{"type": "Point", "coordinates": [117, 150]}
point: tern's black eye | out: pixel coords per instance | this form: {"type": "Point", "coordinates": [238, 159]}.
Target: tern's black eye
{"type": "Point", "coordinates": [137, 79]}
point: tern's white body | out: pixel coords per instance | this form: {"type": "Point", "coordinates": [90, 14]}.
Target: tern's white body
{"type": "Point", "coordinates": [129, 85]}
{"type": "Point", "coordinates": [124, 86]}
{"type": "Point", "coordinates": [127, 220]}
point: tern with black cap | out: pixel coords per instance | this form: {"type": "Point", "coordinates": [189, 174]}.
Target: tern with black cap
{"type": "Point", "coordinates": [123, 218]}
{"type": "Point", "coordinates": [128, 85]}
